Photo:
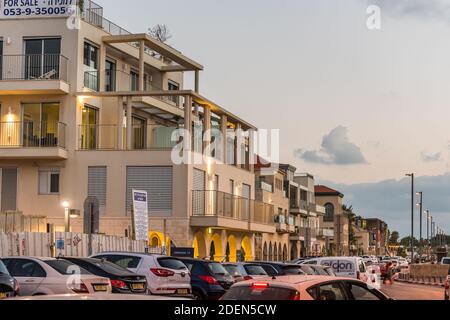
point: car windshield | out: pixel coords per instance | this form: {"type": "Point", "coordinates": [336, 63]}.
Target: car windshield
{"type": "Point", "coordinates": [110, 267]}
{"type": "Point", "coordinates": [65, 267]}
{"type": "Point", "coordinates": [171, 263]}
{"type": "Point", "coordinates": [259, 294]}
{"type": "Point", "coordinates": [233, 270]}
{"type": "Point", "coordinates": [217, 269]}
{"type": "Point", "coordinates": [3, 269]}
{"type": "Point", "coordinates": [255, 270]}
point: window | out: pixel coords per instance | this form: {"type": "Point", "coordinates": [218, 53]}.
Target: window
{"type": "Point", "coordinates": [264, 294]}
{"type": "Point", "coordinates": [128, 262]}
{"type": "Point", "coordinates": [134, 78]}
{"type": "Point", "coordinates": [65, 267]}
{"type": "Point", "coordinates": [91, 65]}
{"type": "Point", "coordinates": [110, 76]}
{"type": "Point", "coordinates": [42, 58]}
{"type": "Point", "coordinates": [327, 292]}
{"type": "Point", "coordinates": [89, 128]}
{"type": "Point", "coordinates": [26, 268]}
{"type": "Point", "coordinates": [173, 86]}
{"type": "Point", "coordinates": [41, 126]}
{"type": "Point", "coordinates": [329, 213]}
{"type": "Point", "coordinates": [48, 182]}
{"type": "Point", "coordinates": [171, 263]}
{"type": "Point", "coordinates": [361, 293]}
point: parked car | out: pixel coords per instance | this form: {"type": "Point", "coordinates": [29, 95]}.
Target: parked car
{"type": "Point", "coordinates": [234, 271]}
{"type": "Point", "coordinates": [280, 269]}
{"type": "Point", "coordinates": [445, 260]}
{"type": "Point", "coordinates": [49, 276]}
{"type": "Point", "coordinates": [209, 279]}
{"type": "Point", "coordinates": [318, 288]}
{"type": "Point", "coordinates": [9, 287]}
{"type": "Point", "coordinates": [122, 280]}
{"type": "Point", "coordinates": [323, 270]}
{"type": "Point", "coordinates": [447, 287]}
{"type": "Point", "coordinates": [251, 270]}
{"type": "Point", "coordinates": [350, 267]}
{"type": "Point", "coordinates": [403, 263]}
{"type": "Point", "coordinates": [165, 275]}
{"type": "Point", "coordinates": [100, 297]}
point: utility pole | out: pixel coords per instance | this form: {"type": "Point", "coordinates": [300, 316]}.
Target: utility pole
{"type": "Point", "coordinates": [412, 215]}
{"type": "Point", "coordinates": [420, 205]}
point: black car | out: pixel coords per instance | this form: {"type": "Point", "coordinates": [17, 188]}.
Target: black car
{"type": "Point", "coordinates": [209, 279]}
{"type": "Point", "coordinates": [280, 269]}
{"type": "Point", "coordinates": [9, 287]}
{"type": "Point", "coordinates": [122, 280]}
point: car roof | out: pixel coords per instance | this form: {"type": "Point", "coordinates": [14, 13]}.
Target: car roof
{"type": "Point", "coordinates": [136, 254]}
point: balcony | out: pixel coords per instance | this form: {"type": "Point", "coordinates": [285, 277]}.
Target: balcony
{"type": "Point", "coordinates": [299, 207]}
{"type": "Point", "coordinates": [33, 140]}
{"type": "Point", "coordinates": [222, 210]}
{"type": "Point", "coordinates": [325, 233]}
{"type": "Point", "coordinates": [113, 137]}
{"type": "Point", "coordinates": [298, 235]}
{"type": "Point", "coordinates": [34, 74]}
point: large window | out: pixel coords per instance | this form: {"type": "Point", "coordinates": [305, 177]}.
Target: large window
{"type": "Point", "coordinates": [41, 127]}
{"type": "Point", "coordinates": [91, 64]}
{"type": "Point", "coordinates": [173, 86]}
{"type": "Point", "coordinates": [42, 58]}
{"type": "Point", "coordinates": [139, 132]}
{"type": "Point", "coordinates": [110, 76]}
{"type": "Point", "coordinates": [89, 129]}
{"type": "Point", "coordinates": [134, 78]}
{"type": "Point", "coordinates": [329, 213]}
{"type": "Point", "coordinates": [48, 181]}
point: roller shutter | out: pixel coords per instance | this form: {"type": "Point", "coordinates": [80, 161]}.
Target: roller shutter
{"type": "Point", "coordinates": [97, 180]}
{"type": "Point", "coordinates": [8, 189]}
{"type": "Point", "coordinates": [198, 198]}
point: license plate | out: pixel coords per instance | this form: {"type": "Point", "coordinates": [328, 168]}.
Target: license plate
{"type": "Point", "coordinates": [182, 291]}
{"type": "Point", "coordinates": [101, 288]}
{"type": "Point", "coordinates": [2, 295]}
{"type": "Point", "coordinates": [138, 286]}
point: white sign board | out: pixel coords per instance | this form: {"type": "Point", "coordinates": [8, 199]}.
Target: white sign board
{"type": "Point", "coordinates": [140, 214]}
{"type": "Point", "coordinates": [22, 9]}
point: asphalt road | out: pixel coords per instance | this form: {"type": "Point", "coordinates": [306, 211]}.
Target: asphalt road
{"type": "Point", "coordinates": [406, 291]}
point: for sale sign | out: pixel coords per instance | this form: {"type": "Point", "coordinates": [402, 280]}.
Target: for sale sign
{"type": "Point", "coordinates": [140, 214]}
{"type": "Point", "coordinates": [22, 9]}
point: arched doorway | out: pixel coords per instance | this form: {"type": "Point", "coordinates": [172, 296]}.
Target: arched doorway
{"type": "Point", "coordinates": [294, 251]}
{"type": "Point", "coordinates": [280, 253]}
{"type": "Point", "coordinates": [216, 251]}
{"type": "Point", "coordinates": [199, 246]}
{"type": "Point", "coordinates": [275, 252]}
{"type": "Point", "coordinates": [231, 252]}
{"type": "Point", "coordinates": [270, 252]}
{"type": "Point", "coordinates": [155, 241]}
{"type": "Point", "coordinates": [285, 253]}
{"type": "Point", "coordinates": [265, 253]}
{"type": "Point", "coordinates": [246, 248]}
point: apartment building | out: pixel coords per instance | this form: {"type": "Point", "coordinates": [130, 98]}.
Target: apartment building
{"type": "Point", "coordinates": [334, 219]}
{"type": "Point", "coordinates": [270, 189]}
{"type": "Point", "coordinates": [378, 235]}
{"type": "Point", "coordinates": [92, 111]}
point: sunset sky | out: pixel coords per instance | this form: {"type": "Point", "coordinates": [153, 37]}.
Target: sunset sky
{"type": "Point", "coordinates": [356, 108]}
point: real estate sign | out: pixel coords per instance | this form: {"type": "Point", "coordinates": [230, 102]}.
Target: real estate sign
{"type": "Point", "coordinates": [22, 9]}
{"type": "Point", "coordinates": [140, 214]}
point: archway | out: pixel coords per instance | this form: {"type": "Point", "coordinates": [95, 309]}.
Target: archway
{"type": "Point", "coordinates": [246, 248]}
{"type": "Point", "coordinates": [231, 253]}
{"type": "Point", "coordinates": [285, 253]}
{"type": "Point", "coordinates": [155, 240]}
{"type": "Point", "coordinates": [280, 253]}
{"type": "Point", "coordinates": [265, 257]}
{"type": "Point", "coordinates": [275, 252]}
{"type": "Point", "coordinates": [199, 246]}
{"type": "Point", "coordinates": [216, 251]}
{"type": "Point", "coordinates": [270, 251]}
{"type": "Point", "coordinates": [294, 251]}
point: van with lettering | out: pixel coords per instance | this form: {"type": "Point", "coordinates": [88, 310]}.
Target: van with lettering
{"type": "Point", "coordinates": [347, 267]}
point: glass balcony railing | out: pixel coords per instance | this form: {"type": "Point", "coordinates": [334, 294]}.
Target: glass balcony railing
{"type": "Point", "coordinates": [32, 134]}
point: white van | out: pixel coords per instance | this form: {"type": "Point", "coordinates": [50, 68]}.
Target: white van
{"type": "Point", "coordinates": [347, 267]}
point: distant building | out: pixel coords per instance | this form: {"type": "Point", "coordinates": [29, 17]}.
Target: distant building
{"type": "Point", "coordinates": [379, 235]}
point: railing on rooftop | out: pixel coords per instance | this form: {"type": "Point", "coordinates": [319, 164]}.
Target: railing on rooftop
{"type": "Point", "coordinates": [34, 67]}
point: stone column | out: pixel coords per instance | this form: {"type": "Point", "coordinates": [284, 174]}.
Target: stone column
{"type": "Point", "coordinates": [141, 66]}
{"type": "Point", "coordinates": [223, 129]}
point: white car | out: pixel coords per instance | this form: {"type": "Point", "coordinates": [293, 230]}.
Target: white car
{"type": "Point", "coordinates": [165, 275]}
{"type": "Point", "coordinates": [99, 297]}
{"type": "Point", "coordinates": [49, 276]}
{"type": "Point", "coordinates": [346, 267]}
{"type": "Point", "coordinates": [445, 260]}
{"type": "Point", "coordinates": [403, 263]}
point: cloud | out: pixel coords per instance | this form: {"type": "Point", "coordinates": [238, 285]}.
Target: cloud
{"type": "Point", "coordinates": [429, 9]}
{"type": "Point", "coordinates": [336, 150]}
{"type": "Point", "coordinates": [390, 200]}
{"type": "Point", "coordinates": [426, 157]}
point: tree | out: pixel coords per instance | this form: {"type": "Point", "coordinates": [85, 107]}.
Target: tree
{"type": "Point", "coordinates": [160, 32]}
{"type": "Point", "coordinates": [393, 240]}
{"type": "Point", "coordinates": [406, 242]}
{"type": "Point", "coordinates": [348, 212]}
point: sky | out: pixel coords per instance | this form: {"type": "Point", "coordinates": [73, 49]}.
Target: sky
{"type": "Point", "coordinates": [357, 108]}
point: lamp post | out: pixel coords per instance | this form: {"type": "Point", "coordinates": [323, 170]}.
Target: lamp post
{"type": "Point", "coordinates": [420, 205]}
{"type": "Point", "coordinates": [412, 215]}
{"type": "Point", "coordinates": [428, 229]}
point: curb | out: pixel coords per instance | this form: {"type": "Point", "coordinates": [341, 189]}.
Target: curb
{"type": "Point", "coordinates": [421, 283]}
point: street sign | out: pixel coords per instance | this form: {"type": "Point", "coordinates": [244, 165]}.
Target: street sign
{"type": "Point", "coordinates": [140, 215]}
{"type": "Point", "coordinates": [182, 252]}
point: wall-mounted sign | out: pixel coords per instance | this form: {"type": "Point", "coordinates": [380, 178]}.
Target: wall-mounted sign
{"type": "Point", "coordinates": [140, 214]}
{"type": "Point", "coordinates": [20, 9]}
{"type": "Point", "coordinates": [60, 244]}
{"type": "Point", "coordinates": [182, 252]}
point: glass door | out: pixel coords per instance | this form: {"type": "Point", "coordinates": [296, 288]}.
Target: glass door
{"type": "Point", "coordinates": [139, 132]}
{"type": "Point", "coordinates": [110, 76]}
{"type": "Point", "coordinates": [40, 124]}
{"type": "Point", "coordinates": [42, 58]}
{"type": "Point", "coordinates": [89, 128]}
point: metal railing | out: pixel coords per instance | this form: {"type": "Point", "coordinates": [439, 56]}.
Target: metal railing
{"type": "Point", "coordinates": [114, 137]}
{"type": "Point", "coordinates": [34, 67]}
{"type": "Point", "coordinates": [225, 205]}
{"type": "Point", "coordinates": [91, 80]}
{"type": "Point", "coordinates": [30, 134]}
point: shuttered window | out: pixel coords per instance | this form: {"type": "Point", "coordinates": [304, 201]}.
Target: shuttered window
{"type": "Point", "coordinates": [198, 199]}
{"type": "Point", "coordinates": [158, 182]}
{"type": "Point", "coordinates": [8, 189]}
{"type": "Point", "coordinates": [97, 179]}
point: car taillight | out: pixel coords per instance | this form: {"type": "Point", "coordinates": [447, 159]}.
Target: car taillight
{"type": "Point", "coordinates": [260, 285]}
{"type": "Point", "coordinates": [162, 272]}
{"type": "Point", "coordinates": [296, 297]}
{"type": "Point", "coordinates": [248, 278]}
{"type": "Point", "coordinates": [209, 279]}
{"type": "Point", "coordinates": [118, 284]}
{"type": "Point", "coordinates": [81, 288]}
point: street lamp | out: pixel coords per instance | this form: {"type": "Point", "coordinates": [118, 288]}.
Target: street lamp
{"type": "Point", "coordinates": [420, 205]}
{"type": "Point", "coordinates": [412, 215]}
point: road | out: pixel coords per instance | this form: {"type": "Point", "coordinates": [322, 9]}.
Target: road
{"type": "Point", "coordinates": [406, 291]}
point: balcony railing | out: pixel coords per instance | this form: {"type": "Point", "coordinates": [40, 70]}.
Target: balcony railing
{"type": "Point", "coordinates": [91, 80]}
{"type": "Point", "coordinates": [107, 137]}
{"type": "Point", "coordinates": [34, 67]}
{"type": "Point", "coordinates": [29, 134]}
{"type": "Point", "coordinates": [224, 205]}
